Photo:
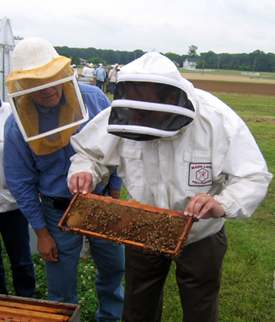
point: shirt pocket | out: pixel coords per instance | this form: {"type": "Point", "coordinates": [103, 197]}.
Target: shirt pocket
{"type": "Point", "coordinates": [49, 164]}
{"type": "Point", "coordinates": [132, 161]}
{"type": "Point", "coordinates": [198, 170]}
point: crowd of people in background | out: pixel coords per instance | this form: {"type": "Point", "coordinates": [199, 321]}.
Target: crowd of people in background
{"type": "Point", "coordinates": [101, 76]}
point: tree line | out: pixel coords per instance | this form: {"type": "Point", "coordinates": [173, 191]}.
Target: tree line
{"type": "Point", "coordinates": [257, 61]}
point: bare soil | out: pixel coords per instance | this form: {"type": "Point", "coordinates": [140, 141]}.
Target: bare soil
{"type": "Point", "coordinates": [232, 84]}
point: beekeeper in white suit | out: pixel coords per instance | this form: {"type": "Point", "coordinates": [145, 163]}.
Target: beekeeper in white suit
{"type": "Point", "coordinates": [177, 148]}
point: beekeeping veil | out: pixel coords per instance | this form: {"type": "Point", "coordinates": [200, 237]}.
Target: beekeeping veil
{"type": "Point", "coordinates": [37, 67]}
{"type": "Point", "coordinates": [151, 100]}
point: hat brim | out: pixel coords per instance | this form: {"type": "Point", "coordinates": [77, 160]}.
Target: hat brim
{"type": "Point", "coordinates": [46, 71]}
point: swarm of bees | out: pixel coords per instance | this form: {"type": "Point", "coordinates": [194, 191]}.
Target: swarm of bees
{"type": "Point", "coordinates": [157, 232]}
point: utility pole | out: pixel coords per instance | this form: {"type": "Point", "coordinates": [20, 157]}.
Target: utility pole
{"type": "Point", "coordinates": [254, 67]}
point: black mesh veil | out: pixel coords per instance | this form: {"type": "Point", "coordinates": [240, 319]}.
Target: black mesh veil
{"type": "Point", "coordinates": [146, 111]}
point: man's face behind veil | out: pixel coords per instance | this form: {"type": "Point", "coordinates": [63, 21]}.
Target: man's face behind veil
{"type": "Point", "coordinates": [145, 92]}
{"type": "Point", "coordinates": [48, 97]}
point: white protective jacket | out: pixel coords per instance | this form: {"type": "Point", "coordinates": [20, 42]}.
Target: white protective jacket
{"type": "Point", "coordinates": [215, 154]}
{"type": "Point", "coordinates": [113, 75]}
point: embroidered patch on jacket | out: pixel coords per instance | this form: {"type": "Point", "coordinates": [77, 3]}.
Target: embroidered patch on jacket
{"type": "Point", "coordinates": [200, 174]}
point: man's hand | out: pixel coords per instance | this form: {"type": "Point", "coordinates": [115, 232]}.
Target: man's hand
{"type": "Point", "coordinates": [203, 206]}
{"type": "Point", "coordinates": [46, 245]}
{"type": "Point", "coordinates": [81, 182]}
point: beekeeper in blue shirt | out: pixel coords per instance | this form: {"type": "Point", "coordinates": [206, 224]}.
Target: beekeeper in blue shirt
{"type": "Point", "coordinates": [47, 109]}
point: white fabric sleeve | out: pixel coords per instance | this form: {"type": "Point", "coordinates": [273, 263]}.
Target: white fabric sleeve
{"type": "Point", "coordinates": [95, 150]}
{"type": "Point", "coordinates": [248, 177]}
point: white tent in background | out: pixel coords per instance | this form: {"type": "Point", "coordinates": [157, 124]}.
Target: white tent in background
{"type": "Point", "coordinates": [6, 47]}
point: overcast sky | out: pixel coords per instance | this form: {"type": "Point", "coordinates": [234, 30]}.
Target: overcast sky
{"type": "Point", "coordinates": [224, 26]}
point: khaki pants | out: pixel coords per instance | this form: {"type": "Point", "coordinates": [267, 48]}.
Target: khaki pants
{"type": "Point", "coordinates": [198, 274]}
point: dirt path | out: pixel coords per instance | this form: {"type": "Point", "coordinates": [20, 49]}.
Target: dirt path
{"type": "Point", "coordinates": [228, 78]}
{"type": "Point", "coordinates": [232, 84]}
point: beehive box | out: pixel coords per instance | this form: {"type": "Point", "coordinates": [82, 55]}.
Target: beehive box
{"type": "Point", "coordinates": [20, 309]}
{"type": "Point", "coordinates": [154, 229]}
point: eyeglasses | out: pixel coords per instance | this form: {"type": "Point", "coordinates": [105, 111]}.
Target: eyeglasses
{"type": "Point", "coordinates": [143, 112]}
{"type": "Point", "coordinates": [147, 112]}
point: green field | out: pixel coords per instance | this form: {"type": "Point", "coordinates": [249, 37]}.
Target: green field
{"type": "Point", "coordinates": [247, 292]}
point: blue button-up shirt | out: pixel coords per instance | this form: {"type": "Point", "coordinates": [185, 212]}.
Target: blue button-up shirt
{"type": "Point", "coordinates": [100, 74]}
{"type": "Point", "coordinates": [28, 175]}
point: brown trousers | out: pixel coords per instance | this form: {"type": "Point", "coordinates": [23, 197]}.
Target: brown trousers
{"type": "Point", "coordinates": [198, 274]}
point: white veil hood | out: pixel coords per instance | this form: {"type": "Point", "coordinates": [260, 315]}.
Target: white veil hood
{"type": "Point", "coordinates": [156, 68]}
{"type": "Point", "coordinates": [153, 68]}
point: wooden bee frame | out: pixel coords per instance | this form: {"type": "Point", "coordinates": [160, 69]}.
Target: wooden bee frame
{"type": "Point", "coordinates": [133, 223]}
{"type": "Point", "coordinates": [19, 309]}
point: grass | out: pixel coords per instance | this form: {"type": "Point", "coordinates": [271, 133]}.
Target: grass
{"type": "Point", "coordinates": [247, 293]}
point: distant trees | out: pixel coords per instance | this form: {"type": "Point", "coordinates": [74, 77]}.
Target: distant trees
{"type": "Point", "coordinates": [75, 59]}
{"type": "Point", "coordinates": [257, 61]}
{"type": "Point", "coordinates": [202, 64]}
{"type": "Point", "coordinates": [173, 57]}
{"type": "Point", "coordinates": [65, 54]}
{"type": "Point", "coordinates": [192, 51]}
{"type": "Point", "coordinates": [108, 55]}
{"type": "Point", "coordinates": [97, 60]}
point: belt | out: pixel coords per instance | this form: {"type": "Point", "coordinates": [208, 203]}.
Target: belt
{"type": "Point", "coordinates": [60, 203]}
